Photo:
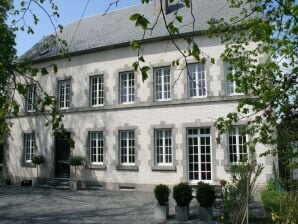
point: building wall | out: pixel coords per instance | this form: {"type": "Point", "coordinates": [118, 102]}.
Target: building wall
{"type": "Point", "coordinates": [144, 115]}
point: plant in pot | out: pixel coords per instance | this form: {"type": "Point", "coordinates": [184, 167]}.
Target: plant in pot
{"type": "Point", "coordinates": [182, 193]}
{"type": "Point", "coordinates": [76, 161]}
{"type": "Point", "coordinates": [37, 160]}
{"type": "Point", "coordinates": [205, 196]}
{"type": "Point", "coordinates": [161, 211]}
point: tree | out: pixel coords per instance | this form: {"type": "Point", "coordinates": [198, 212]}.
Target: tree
{"type": "Point", "coordinates": [18, 73]}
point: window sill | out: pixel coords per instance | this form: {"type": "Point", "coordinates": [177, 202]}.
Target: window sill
{"type": "Point", "coordinates": [163, 168]}
{"type": "Point", "coordinates": [97, 166]}
{"type": "Point", "coordinates": [28, 164]}
{"type": "Point", "coordinates": [127, 167]}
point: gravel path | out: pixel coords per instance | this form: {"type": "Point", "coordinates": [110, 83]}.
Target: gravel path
{"type": "Point", "coordinates": [33, 205]}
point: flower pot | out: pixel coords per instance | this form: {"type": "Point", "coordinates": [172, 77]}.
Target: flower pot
{"type": "Point", "coordinates": [206, 214]}
{"type": "Point", "coordinates": [76, 185]}
{"type": "Point", "coordinates": [35, 181]}
{"type": "Point", "coordinates": [161, 212]}
{"type": "Point", "coordinates": [181, 213]}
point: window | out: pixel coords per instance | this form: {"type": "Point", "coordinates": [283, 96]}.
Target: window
{"type": "Point", "coordinates": [31, 98]}
{"type": "Point", "coordinates": [162, 80]}
{"type": "Point", "coordinates": [96, 147]}
{"type": "Point", "coordinates": [199, 154]}
{"type": "Point", "coordinates": [97, 90]}
{"type": "Point", "coordinates": [127, 147]}
{"type": "Point", "coordinates": [163, 146]}
{"type": "Point", "coordinates": [64, 94]}
{"type": "Point", "coordinates": [230, 84]}
{"type": "Point", "coordinates": [237, 145]}
{"type": "Point", "coordinates": [29, 146]}
{"type": "Point", "coordinates": [197, 80]}
{"type": "Point", "coordinates": [127, 87]}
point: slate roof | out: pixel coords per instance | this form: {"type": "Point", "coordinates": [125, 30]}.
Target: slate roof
{"type": "Point", "coordinates": [115, 28]}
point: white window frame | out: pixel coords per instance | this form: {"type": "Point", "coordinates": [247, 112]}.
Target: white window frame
{"type": "Point", "coordinates": [29, 147]}
{"type": "Point", "coordinates": [198, 136]}
{"type": "Point", "coordinates": [97, 90]}
{"type": "Point", "coordinates": [229, 83]}
{"type": "Point", "coordinates": [63, 87]}
{"type": "Point", "coordinates": [163, 148]}
{"type": "Point", "coordinates": [128, 148]}
{"type": "Point", "coordinates": [127, 86]}
{"type": "Point", "coordinates": [97, 138]}
{"type": "Point", "coordinates": [199, 78]}
{"type": "Point", "coordinates": [31, 98]}
{"type": "Point", "coordinates": [237, 135]}
{"type": "Point", "coordinates": [163, 83]}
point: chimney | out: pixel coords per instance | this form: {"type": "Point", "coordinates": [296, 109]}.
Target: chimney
{"type": "Point", "coordinates": [161, 4]}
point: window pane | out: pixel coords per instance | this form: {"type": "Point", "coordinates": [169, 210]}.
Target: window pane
{"type": "Point", "coordinates": [163, 146]}
{"type": "Point", "coordinates": [127, 147]}
{"type": "Point", "coordinates": [96, 147]}
{"type": "Point", "coordinates": [162, 83]}
{"type": "Point", "coordinates": [127, 87]}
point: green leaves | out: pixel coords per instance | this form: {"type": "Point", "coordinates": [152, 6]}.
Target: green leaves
{"type": "Point", "coordinates": [140, 20]}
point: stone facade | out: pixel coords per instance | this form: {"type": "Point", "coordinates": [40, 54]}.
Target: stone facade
{"type": "Point", "coordinates": [143, 116]}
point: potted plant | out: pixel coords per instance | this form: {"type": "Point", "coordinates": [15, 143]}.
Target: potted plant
{"type": "Point", "coordinates": [161, 211]}
{"type": "Point", "coordinates": [182, 193]}
{"type": "Point", "coordinates": [205, 196]}
{"type": "Point", "coordinates": [37, 160]}
{"type": "Point", "coordinates": [76, 161]}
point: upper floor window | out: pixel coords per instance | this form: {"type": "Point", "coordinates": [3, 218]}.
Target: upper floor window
{"type": "Point", "coordinates": [97, 90]}
{"type": "Point", "coordinates": [231, 86]}
{"type": "Point", "coordinates": [127, 87]}
{"type": "Point", "coordinates": [29, 146]}
{"type": "Point", "coordinates": [64, 94]}
{"type": "Point", "coordinates": [237, 145]}
{"type": "Point", "coordinates": [197, 80]}
{"type": "Point", "coordinates": [127, 147]}
{"type": "Point", "coordinates": [163, 146]}
{"type": "Point", "coordinates": [96, 147]}
{"type": "Point", "coordinates": [31, 98]}
{"type": "Point", "coordinates": [162, 83]}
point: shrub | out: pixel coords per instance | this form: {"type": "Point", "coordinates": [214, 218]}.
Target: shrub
{"type": "Point", "coordinates": [38, 159]}
{"type": "Point", "coordinates": [76, 160]}
{"type": "Point", "coordinates": [182, 194]}
{"type": "Point", "coordinates": [205, 194]}
{"type": "Point", "coordinates": [162, 193]}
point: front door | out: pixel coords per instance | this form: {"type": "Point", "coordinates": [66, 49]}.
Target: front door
{"type": "Point", "coordinates": [62, 154]}
{"type": "Point", "coordinates": [199, 155]}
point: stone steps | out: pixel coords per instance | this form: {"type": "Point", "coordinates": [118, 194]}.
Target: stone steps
{"type": "Point", "coordinates": [57, 183]}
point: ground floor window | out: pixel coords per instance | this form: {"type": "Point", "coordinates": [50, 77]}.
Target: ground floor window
{"type": "Point", "coordinates": [29, 146]}
{"type": "Point", "coordinates": [163, 146]}
{"type": "Point", "coordinates": [96, 147]}
{"type": "Point", "coordinates": [127, 147]}
{"type": "Point", "coordinates": [199, 154]}
{"type": "Point", "coordinates": [237, 145]}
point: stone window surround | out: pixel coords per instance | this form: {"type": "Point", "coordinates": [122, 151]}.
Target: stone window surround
{"type": "Point", "coordinates": [151, 82]}
{"type": "Point", "coordinates": [214, 147]}
{"type": "Point", "coordinates": [23, 155]}
{"type": "Point", "coordinates": [97, 72]}
{"type": "Point", "coordinates": [89, 164]}
{"type": "Point", "coordinates": [116, 88]}
{"type": "Point", "coordinates": [71, 82]}
{"type": "Point", "coordinates": [116, 147]}
{"type": "Point", "coordinates": [208, 78]}
{"type": "Point", "coordinates": [151, 147]}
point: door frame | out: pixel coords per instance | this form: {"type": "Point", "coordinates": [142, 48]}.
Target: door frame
{"type": "Point", "coordinates": [55, 154]}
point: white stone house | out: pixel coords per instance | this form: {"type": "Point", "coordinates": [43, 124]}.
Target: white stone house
{"type": "Point", "coordinates": [133, 133]}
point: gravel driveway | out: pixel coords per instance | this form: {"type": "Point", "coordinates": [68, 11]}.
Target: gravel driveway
{"type": "Point", "coordinates": [34, 205]}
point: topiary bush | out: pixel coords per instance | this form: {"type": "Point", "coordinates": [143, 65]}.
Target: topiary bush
{"type": "Point", "coordinates": [182, 194]}
{"type": "Point", "coordinates": [76, 160]}
{"type": "Point", "coordinates": [205, 194]}
{"type": "Point", "coordinates": [38, 159]}
{"type": "Point", "coordinates": [162, 193]}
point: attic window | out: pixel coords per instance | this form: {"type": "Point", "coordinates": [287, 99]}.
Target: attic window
{"type": "Point", "coordinates": [43, 52]}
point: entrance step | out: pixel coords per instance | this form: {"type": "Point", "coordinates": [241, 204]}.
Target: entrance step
{"type": "Point", "coordinates": [57, 183]}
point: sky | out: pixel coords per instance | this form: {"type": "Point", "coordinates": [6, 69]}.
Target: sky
{"type": "Point", "coordinates": [70, 11]}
